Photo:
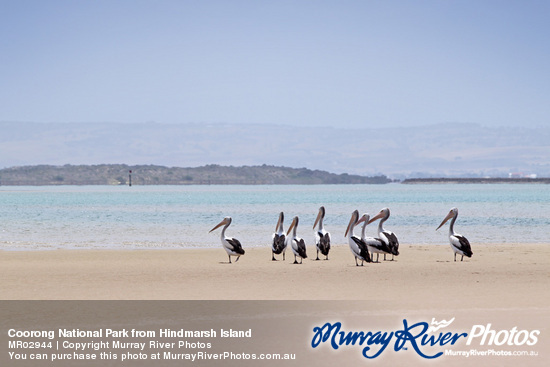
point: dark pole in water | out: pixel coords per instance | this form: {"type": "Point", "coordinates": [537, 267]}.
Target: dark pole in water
{"type": "Point", "coordinates": [130, 178]}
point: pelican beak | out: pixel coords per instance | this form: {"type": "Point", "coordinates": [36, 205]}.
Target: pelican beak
{"type": "Point", "coordinates": [449, 216]}
{"type": "Point", "coordinates": [352, 221]}
{"type": "Point", "coordinates": [218, 225]}
{"type": "Point", "coordinates": [292, 225]}
{"type": "Point", "coordinates": [377, 216]}
{"type": "Point", "coordinates": [319, 216]}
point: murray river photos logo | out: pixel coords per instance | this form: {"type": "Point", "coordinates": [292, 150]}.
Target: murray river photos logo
{"type": "Point", "coordinates": [425, 339]}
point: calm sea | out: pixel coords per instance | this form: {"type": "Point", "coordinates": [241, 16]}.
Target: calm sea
{"type": "Point", "coordinates": [145, 217]}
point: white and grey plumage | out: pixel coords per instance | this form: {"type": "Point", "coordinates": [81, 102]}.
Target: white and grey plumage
{"type": "Point", "coordinates": [375, 245]}
{"type": "Point", "coordinates": [357, 246]}
{"type": "Point", "coordinates": [459, 243]}
{"type": "Point", "coordinates": [296, 243]}
{"type": "Point", "coordinates": [389, 238]}
{"type": "Point", "coordinates": [279, 239]}
{"type": "Point", "coordinates": [231, 245]}
{"type": "Point", "coordinates": [322, 237]}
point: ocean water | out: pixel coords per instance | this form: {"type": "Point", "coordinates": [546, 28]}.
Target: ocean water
{"type": "Point", "coordinates": [164, 217]}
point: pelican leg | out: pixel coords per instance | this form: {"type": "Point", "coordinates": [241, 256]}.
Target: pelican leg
{"type": "Point", "coordinates": [356, 261]}
{"type": "Point", "coordinates": [295, 261]}
{"type": "Point", "coordinates": [317, 255]}
{"type": "Point", "coordinates": [462, 258]}
{"type": "Point", "coordinates": [238, 257]}
{"type": "Point", "coordinates": [273, 256]}
{"type": "Point", "coordinates": [229, 258]}
{"type": "Point", "coordinates": [455, 256]}
{"type": "Point", "coordinates": [301, 260]}
{"type": "Point", "coordinates": [284, 255]}
{"type": "Point", "coordinates": [326, 258]}
{"type": "Point", "coordinates": [384, 257]}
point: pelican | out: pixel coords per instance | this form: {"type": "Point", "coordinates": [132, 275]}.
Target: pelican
{"type": "Point", "coordinates": [388, 237]}
{"type": "Point", "coordinates": [322, 237]}
{"type": "Point", "coordinates": [297, 244]}
{"type": "Point", "coordinates": [231, 245]}
{"type": "Point", "coordinates": [459, 243]}
{"type": "Point", "coordinates": [279, 243]}
{"type": "Point", "coordinates": [357, 246]}
{"type": "Point", "coordinates": [375, 245]}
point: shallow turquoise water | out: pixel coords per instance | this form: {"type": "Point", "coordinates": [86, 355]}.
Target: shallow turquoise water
{"type": "Point", "coordinates": [181, 216]}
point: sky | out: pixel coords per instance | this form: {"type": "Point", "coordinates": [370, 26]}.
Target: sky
{"type": "Point", "coordinates": [351, 64]}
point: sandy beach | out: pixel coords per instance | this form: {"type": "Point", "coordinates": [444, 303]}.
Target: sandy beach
{"type": "Point", "coordinates": [514, 275]}
{"type": "Point", "coordinates": [506, 285]}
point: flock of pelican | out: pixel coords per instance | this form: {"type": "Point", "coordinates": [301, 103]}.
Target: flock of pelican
{"type": "Point", "coordinates": [363, 248]}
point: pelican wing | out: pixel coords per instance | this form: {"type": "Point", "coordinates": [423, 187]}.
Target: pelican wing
{"type": "Point", "coordinates": [301, 248]}
{"type": "Point", "coordinates": [393, 242]}
{"type": "Point", "coordinates": [278, 243]}
{"type": "Point", "coordinates": [363, 250]}
{"type": "Point", "coordinates": [324, 243]}
{"type": "Point", "coordinates": [464, 245]}
{"type": "Point", "coordinates": [236, 245]}
{"type": "Point", "coordinates": [380, 245]}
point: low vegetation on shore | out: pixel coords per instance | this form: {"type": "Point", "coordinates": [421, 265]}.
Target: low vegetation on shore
{"type": "Point", "coordinates": [119, 174]}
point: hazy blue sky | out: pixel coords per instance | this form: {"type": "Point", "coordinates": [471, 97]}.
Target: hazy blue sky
{"type": "Point", "coordinates": [308, 63]}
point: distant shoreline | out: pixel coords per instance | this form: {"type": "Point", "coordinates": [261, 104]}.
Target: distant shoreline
{"type": "Point", "coordinates": [490, 180]}
{"type": "Point", "coordinates": [122, 174]}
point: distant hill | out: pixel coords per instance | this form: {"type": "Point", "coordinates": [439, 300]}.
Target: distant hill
{"type": "Point", "coordinates": [118, 174]}
{"type": "Point", "coordinates": [442, 150]}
